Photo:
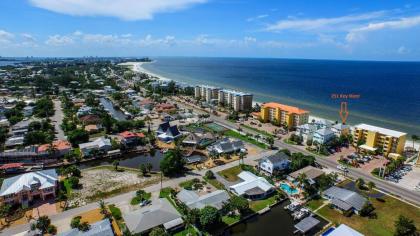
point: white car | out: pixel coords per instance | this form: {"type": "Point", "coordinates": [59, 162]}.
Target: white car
{"type": "Point", "coordinates": [343, 168]}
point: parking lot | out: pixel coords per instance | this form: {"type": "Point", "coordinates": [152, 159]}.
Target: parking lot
{"type": "Point", "coordinates": [411, 179]}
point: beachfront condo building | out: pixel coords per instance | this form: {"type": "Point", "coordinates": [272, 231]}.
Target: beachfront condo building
{"type": "Point", "coordinates": [390, 141]}
{"type": "Point", "coordinates": [280, 114]}
{"type": "Point", "coordinates": [207, 93]}
{"type": "Point", "coordinates": [238, 101]}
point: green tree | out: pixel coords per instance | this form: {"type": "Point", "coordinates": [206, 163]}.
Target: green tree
{"type": "Point", "coordinates": [366, 209]}
{"type": "Point", "coordinates": [210, 175]}
{"type": "Point", "coordinates": [158, 231]}
{"type": "Point", "coordinates": [360, 182]}
{"type": "Point", "coordinates": [149, 167]}
{"type": "Point", "coordinates": [143, 169]}
{"type": "Point", "coordinates": [172, 163]}
{"type": "Point", "coordinates": [239, 203]}
{"type": "Point", "coordinates": [73, 181]}
{"type": "Point", "coordinates": [405, 227]}
{"type": "Point", "coordinates": [414, 138]}
{"type": "Point", "coordinates": [42, 224]}
{"type": "Point", "coordinates": [270, 141]}
{"type": "Point", "coordinates": [77, 137]}
{"type": "Point", "coordinates": [371, 185]}
{"type": "Point", "coordinates": [209, 216]}
{"type": "Point", "coordinates": [5, 210]}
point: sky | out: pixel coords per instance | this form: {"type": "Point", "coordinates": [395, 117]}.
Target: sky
{"type": "Point", "coordinates": [322, 29]}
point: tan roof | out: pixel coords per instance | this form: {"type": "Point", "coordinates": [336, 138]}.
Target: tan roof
{"type": "Point", "coordinates": [310, 172]}
{"type": "Point", "coordinates": [283, 107]}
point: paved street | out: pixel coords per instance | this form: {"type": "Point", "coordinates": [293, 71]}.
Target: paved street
{"type": "Point", "coordinates": [62, 220]}
{"type": "Point", "coordinates": [57, 120]}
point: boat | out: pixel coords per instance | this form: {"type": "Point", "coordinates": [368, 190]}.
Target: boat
{"type": "Point", "coordinates": [292, 206]}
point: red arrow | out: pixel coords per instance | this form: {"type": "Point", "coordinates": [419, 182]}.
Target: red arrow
{"type": "Point", "coordinates": [344, 113]}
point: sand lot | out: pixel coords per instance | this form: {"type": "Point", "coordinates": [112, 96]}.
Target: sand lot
{"type": "Point", "coordinates": [104, 181]}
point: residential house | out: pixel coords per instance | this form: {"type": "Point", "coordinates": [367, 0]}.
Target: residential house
{"type": "Point", "coordinates": [252, 187]}
{"type": "Point", "coordinates": [345, 200]}
{"type": "Point", "coordinates": [27, 154]}
{"type": "Point", "coordinates": [59, 148]}
{"type": "Point", "coordinates": [160, 213]}
{"type": "Point", "coordinates": [21, 128]}
{"type": "Point", "coordinates": [93, 128]}
{"type": "Point", "coordinates": [306, 225]}
{"type": "Point", "coordinates": [84, 110]}
{"type": "Point", "coordinates": [306, 131]}
{"type": "Point", "coordinates": [12, 168]}
{"type": "Point", "coordinates": [28, 187]}
{"type": "Point", "coordinates": [226, 146]}
{"type": "Point", "coordinates": [280, 114]}
{"type": "Point", "coordinates": [311, 173]}
{"type": "Point", "coordinates": [28, 111]}
{"type": "Point", "coordinates": [344, 230]}
{"type": "Point", "coordinates": [90, 119]}
{"type": "Point", "coordinates": [323, 136]}
{"type": "Point", "coordinates": [165, 107]}
{"type": "Point", "coordinates": [277, 162]}
{"type": "Point", "coordinates": [340, 129]}
{"type": "Point", "coordinates": [168, 133]}
{"type": "Point", "coordinates": [100, 228]}
{"type": "Point", "coordinates": [323, 124]}
{"type": "Point", "coordinates": [200, 139]}
{"type": "Point", "coordinates": [390, 141]}
{"type": "Point", "coordinates": [14, 141]}
{"type": "Point", "coordinates": [192, 200]}
{"type": "Point", "coordinates": [100, 145]}
{"type": "Point", "coordinates": [130, 139]}
{"type": "Point", "coordinates": [4, 122]}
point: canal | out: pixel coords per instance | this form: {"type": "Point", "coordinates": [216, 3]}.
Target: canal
{"type": "Point", "coordinates": [109, 107]}
{"type": "Point", "coordinates": [276, 222]}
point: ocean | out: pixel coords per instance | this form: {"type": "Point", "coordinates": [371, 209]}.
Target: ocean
{"type": "Point", "coordinates": [385, 94]}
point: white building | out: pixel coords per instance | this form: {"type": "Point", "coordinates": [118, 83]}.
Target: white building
{"type": "Point", "coordinates": [279, 161]}
{"type": "Point", "coordinates": [306, 131]}
{"type": "Point", "coordinates": [208, 93]}
{"type": "Point", "coordinates": [252, 186]}
{"type": "Point", "coordinates": [238, 101]}
{"type": "Point", "coordinates": [323, 136]}
{"type": "Point", "coordinates": [28, 187]}
{"type": "Point", "coordinates": [340, 129]}
{"type": "Point", "coordinates": [101, 144]}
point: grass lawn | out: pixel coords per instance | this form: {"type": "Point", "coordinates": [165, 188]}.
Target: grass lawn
{"type": "Point", "coordinates": [229, 220]}
{"type": "Point", "coordinates": [165, 192]}
{"type": "Point", "coordinates": [261, 204]}
{"type": "Point", "coordinates": [190, 183]}
{"type": "Point", "coordinates": [315, 203]}
{"type": "Point", "coordinates": [97, 135]}
{"type": "Point", "coordinates": [387, 212]}
{"type": "Point", "coordinates": [258, 130]}
{"type": "Point", "coordinates": [245, 138]}
{"type": "Point", "coordinates": [190, 231]}
{"type": "Point", "coordinates": [231, 174]}
{"type": "Point", "coordinates": [137, 200]}
{"type": "Point", "coordinates": [215, 183]}
{"type": "Point", "coordinates": [115, 211]}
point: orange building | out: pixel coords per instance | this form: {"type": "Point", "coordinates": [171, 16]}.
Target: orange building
{"type": "Point", "coordinates": [280, 114]}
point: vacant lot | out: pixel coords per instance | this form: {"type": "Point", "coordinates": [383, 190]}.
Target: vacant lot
{"type": "Point", "coordinates": [101, 182]}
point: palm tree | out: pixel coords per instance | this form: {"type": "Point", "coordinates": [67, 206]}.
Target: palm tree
{"type": "Point", "coordinates": [360, 182]}
{"type": "Point", "coordinates": [301, 179]}
{"type": "Point", "coordinates": [116, 163]}
{"type": "Point", "coordinates": [241, 157]}
{"type": "Point", "coordinates": [414, 138]}
{"type": "Point", "coordinates": [371, 185]}
{"type": "Point", "coordinates": [149, 167]}
{"type": "Point", "coordinates": [270, 141]}
{"type": "Point", "coordinates": [102, 209]}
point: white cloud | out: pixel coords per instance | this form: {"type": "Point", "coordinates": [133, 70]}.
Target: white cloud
{"type": "Point", "coordinates": [342, 22]}
{"type": "Point", "coordinates": [6, 37]}
{"type": "Point", "coordinates": [28, 37]}
{"type": "Point", "coordinates": [123, 9]}
{"type": "Point", "coordinates": [59, 40]}
{"type": "Point", "coordinates": [357, 34]}
{"type": "Point", "coordinates": [257, 17]}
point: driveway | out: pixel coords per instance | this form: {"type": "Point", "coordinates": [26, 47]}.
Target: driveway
{"type": "Point", "coordinates": [57, 120]}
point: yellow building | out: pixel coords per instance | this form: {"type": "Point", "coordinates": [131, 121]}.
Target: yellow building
{"type": "Point", "coordinates": [392, 142]}
{"type": "Point", "coordinates": [283, 114]}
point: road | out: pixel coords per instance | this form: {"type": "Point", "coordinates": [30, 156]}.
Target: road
{"type": "Point", "coordinates": [62, 219]}
{"type": "Point", "coordinates": [391, 188]}
{"type": "Point", "coordinates": [57, 120]}
{"type": "Point", "coordinates": [408, 195]}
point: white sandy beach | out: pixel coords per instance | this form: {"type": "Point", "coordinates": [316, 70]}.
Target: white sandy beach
{"type": "Point", "coordinates": [137, 67]}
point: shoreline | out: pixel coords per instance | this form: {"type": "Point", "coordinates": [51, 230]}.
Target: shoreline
{"type": "Point", "coordinates": [138, 67]}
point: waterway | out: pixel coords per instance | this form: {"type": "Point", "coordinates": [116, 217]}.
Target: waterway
{"type": "Point", "coordinates": [109, 106]}
{"type": "Point", "coordinates": [276, 222]}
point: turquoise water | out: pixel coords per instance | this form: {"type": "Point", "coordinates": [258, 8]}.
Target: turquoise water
{"type": "Point", "coordinates": [289, 190]}
{"type": "Point", "coordinates": [389, 91]}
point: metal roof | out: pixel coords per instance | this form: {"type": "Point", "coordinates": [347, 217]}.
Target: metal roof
{"type": "Point", "coordinates": [193, 200]}
{"type": "Point", "coordinates": [306, 224]}
{"type": "Point", "coordinates": [344, 230]}
{"type": "Point", "coordinates": [45, 179]}
{"type": "Point", "coordinates": [101, 228]}
{"type": "Point", "coordinates": [351, 198]}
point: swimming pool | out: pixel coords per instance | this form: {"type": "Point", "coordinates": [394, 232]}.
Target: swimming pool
{"type": "Point", "coordinates": [289, 190]}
